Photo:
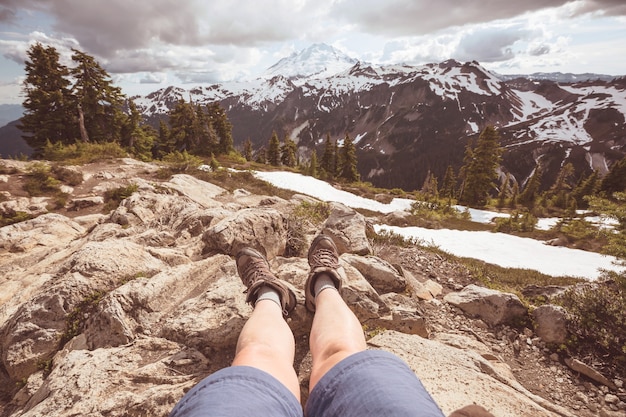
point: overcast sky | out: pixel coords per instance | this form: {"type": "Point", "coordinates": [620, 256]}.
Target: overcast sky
{"type": "Point", "coordinates": [148, 44]}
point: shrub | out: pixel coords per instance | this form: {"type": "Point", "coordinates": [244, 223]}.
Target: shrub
{"type": "Point", "coordinates": [113, 197]}
{"type": "Point", "coordinates": [12, 217]}
{"type": "Point", "coordinates": [516, 222]}
{"type": "Point", "coordinates": [306, 214]}
{"type": "Point", "coordinates": [39, 182]}
{"type": "Point", "coordinates": [181, 161]}
{"type": "Point", "coordinates": [598, 323]}
{"type": "Point", "coordinates": [82, 153]}
{"type": "Point", "coordinates": [67, 176]}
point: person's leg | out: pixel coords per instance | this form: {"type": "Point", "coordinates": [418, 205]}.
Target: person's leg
{"type": "Point", "coordinates": [266, 341]}
{"type": "Point", "coordinates": [347, 380]}
{"type": "Point", "coordinates": [336, 332]}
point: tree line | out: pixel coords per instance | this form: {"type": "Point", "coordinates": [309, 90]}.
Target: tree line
{"type": "Point", "coordinates": [79, 104]}
{"type": "Point", "coordinates": [482, 182]}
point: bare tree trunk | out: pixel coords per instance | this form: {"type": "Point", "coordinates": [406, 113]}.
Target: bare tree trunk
{"type": "Point", "coordinates": [81, 123]}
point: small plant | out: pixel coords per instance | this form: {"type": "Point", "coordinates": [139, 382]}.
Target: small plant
{"type": "Point", "coordinates": [181, 161]}
{"type": "Point", "coordinates": [113, 198]}
{"type": "Point", "coordinates": [306, 214]}
{"type": "Point", "coordinates": [516, 222]}
{"type": "Point", "coordinates": [67, 176]}
{"type": "Point", "coordinates": [82, 153]}
{"type": "Point", "coordinates": [45, 365]}
{"type": "Point", "coordinates": [12, 217]}
{"type": "Point", "coordinates": [39, 181]}
{"type": "Point", "coordinates": [75, 320]}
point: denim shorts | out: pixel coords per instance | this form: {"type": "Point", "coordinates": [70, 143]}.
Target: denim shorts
{"type": "Point", "coordinates": [372, 383]}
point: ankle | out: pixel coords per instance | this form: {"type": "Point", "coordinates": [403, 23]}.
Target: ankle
{"type": "Point", "coordinates": [323, 282]}
{"type": "Point", "coordinates": [268, 293]}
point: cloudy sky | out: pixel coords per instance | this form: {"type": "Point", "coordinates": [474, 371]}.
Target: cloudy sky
{"type": "Point", "coordinates": [148, 44]}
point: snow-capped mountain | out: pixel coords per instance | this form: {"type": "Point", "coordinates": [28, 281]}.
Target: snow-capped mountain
{"type": "Point", "coordinates": [409, 120]}
{"type": "Point", "coordinates": [317, 61]}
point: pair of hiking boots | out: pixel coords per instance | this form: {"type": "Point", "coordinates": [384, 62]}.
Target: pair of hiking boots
{"type": "Point", "coordinates": [254, 270]}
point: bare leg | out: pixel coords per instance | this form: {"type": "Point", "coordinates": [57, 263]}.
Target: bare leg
{"type": "Point", "coordinates": [267, 343]}
{"type": "Point", "coordinates": [336, 333]}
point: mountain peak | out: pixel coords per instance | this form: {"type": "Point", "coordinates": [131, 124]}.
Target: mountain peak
{"type": "Point", "coordinates": [318, 60]}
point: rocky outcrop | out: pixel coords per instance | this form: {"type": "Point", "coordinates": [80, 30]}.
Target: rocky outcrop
{"type": "Point", "coordinates": [120, 313]}
{"type": "Point", "coordinates": [493, 307]}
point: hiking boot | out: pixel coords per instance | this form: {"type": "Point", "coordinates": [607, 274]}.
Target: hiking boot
{"type": "Point", "coordinates": [254, 271]}
{"type": "Point", "coordinates": [323, 258]}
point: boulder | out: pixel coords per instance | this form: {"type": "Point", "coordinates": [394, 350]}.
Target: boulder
{"type": "Point", "coordinates": [589, 372]}
{"type": "Point", "coordinates": [348, 229]}
{"type": "Point", "coordinates": [493, 307]}
{"type": "Point", "coordinates": [262, 228]}
{"type": "Point", "coordinates": [48, 230]}
{"type": "Point", "coordinates": [381, 274]}
{"type": "Point", "coordinates": [143, 378]}
{"type": "Point", "coordinates": [551, 323]}
{"type": "Point", "coordinates": [457, 377]}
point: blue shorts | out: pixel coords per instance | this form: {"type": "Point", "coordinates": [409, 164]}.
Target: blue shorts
{"type": "Point", "coordinates": [370, 383]}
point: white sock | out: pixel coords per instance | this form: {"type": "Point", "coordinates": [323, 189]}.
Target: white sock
{"type": "Point", "coordinates": [268, 293]}
{"type": "Point", "coordinates": [323, 282]}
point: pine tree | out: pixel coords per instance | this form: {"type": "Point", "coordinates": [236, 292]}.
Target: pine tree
{"type": "Point", "coordinates": [163, 145]}
{"type": "Point", "coordinates": [313, 164]}
{"type": "Point", "coordinates": [138, 138]}
{"type": "Point", "coordinates": [99, 103]}
{"type": "Point", "coordinates": [615, 180]}
{"type": "Point", "coordinates": [559, 194]}
{"type": "Point", "coordinates": [223, 128]}
{"type": "Point", "coordinates": [531, 190]}
{"type": "Point", "coordinates": [261, 156]}
{"type": "Point", "coordinates": [288, 153]}
{"type": "Point", "coordinates": [349, 161]}
{"type": "Point", "coordinates": [514, 195]}
{"type": "Point", "coordinates": [586, 187]}
{"type": "Point", "coordinates": [247, 150]}
{"type": "Point", "coordinates": [182, 122]}
{"type": "Point", "coordinates": [504, 190]}
{"type": "Point", "coordinates": [337, 162]}
{"type": "Point", "coordinates": [449, 184]}
{"type": "Point", "coordinates": [328, 157]}
{"type": "Point", "coordinates": [480, 168]}
{"type": "Point", "coordinates": [273, 151]}
{"type": "Point", "coordinates": [430, 188]}
{"type": "Point", "coordinates": [49, 108]}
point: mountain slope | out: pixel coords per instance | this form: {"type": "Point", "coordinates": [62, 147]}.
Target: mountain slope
{"type": "Point", "coordinates": [409, 120]}
{"type": "Point", "coordinates": [318, 60]}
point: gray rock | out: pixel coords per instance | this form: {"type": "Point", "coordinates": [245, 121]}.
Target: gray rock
{"type": "Point", "coordinates": [551, 323]}
{"type": "Point", "coordinates": [383, 277]}
{"type": "Point", "coordinates": [589, 372]}
{"type": "Point", "coordinates": [348, 229]}
{"type": "Point", "coordinates": [493, 307]}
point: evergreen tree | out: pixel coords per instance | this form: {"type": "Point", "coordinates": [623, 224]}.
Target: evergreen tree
{"type": "Point", "coordinates": [99, 103]}
{"type": "Point", "coordinates": [349, 161]}
{"type": "Point", "coordinates": [514, 195]}
{"type": "Point", "coordinates": [273, 151]}
{"type": "Point", "coordinates": [163, 145]}
{"type": "Point", "coordinates": [559, 194]}
{"type": "Point", "coordinates": [48, 104]}
{"type": "Point", "coordinates": [288, 153]}
{"type": "Point", "coordinates": [615, 180]}
{"type": "Point", "coordinates": [261, 156]}
{"type": "Point", "coordinates": [430, 188]}
{"type": "Point", "coordinates": [337, 162]}
{"type": "Point", "coordinates": [223, 128]}
{"type": "Point", "coordinates": [586, 187]}
{"type": "Point", "coordinates": [328, 158]}
{"type": "Point", "coordinates": [138, 138]}
{"type": "Point", "coordinates": [182, 123]}
{"type": "Point", "coordinates": [247, 150]}
{"type": "Point", "coordinates": [480, 168]}
{"type": "Point", "coordinates": [504, 190]}
{"type": "Point", "coordinates": [313, 164]}
{"type": "Point", "coordinates": [531, 190]}
{"type": "Point", "coordinates": [449, 184]}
